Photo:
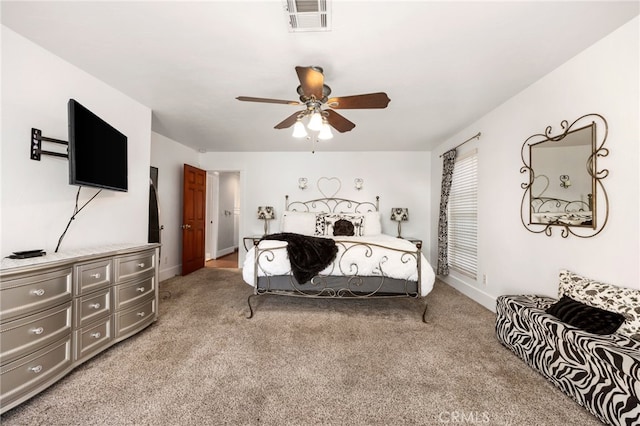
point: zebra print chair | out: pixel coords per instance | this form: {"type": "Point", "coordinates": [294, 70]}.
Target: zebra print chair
{"type": "Point", "coordinates": [600, 372]}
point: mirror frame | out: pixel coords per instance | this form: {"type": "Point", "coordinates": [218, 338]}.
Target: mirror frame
{"type": "Point", "coordinates": [599, 201]}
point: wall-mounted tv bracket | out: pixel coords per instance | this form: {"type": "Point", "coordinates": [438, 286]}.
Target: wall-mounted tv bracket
{"type": "Point", "coordinates": [36, 145]}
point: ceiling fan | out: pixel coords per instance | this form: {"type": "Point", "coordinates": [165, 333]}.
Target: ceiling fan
{"type": "Point", "coordinates": [314, 94]}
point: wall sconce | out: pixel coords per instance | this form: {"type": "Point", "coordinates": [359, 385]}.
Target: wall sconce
{"type": "Point", "coordinates": [302, 183]}
{"type": "Point", "coordinates": [358, 182]}
{"type": "Point", "coordinates": [266, 213]}
{"type": "Point", "coordinates": [400, 214]}
{"type": "Point", "coordinates": [564, 181]}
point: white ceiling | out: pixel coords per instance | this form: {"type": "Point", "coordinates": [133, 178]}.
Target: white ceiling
{"type": "Point", "coordinates": [444, 64]}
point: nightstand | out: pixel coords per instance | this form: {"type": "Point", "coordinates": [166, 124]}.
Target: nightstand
{"type": "Point", "coordinates": [416, 241]}
{"type": "Point", "coordinates": [254, 240]}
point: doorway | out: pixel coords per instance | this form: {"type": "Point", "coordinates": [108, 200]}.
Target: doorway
{"type": "Point", "coordinates": [223, 219]}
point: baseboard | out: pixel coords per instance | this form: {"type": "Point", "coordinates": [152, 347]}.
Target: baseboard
{"type": "Point", "coordinates": [225, 251]}
{"type": "Point", "coordinates": [170, 272]}
{"type": "Point", "coordinates": [473, 293]}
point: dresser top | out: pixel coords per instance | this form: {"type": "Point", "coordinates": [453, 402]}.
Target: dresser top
{"type": "Point", "coordinates": [10, 266]}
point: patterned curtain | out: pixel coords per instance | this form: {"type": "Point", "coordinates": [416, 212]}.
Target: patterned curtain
{"type": "Point", "coordinates": [448, 162]}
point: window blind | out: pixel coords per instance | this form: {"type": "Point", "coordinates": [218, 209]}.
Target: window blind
{"type": "Point", "coordinates": [463, 216]}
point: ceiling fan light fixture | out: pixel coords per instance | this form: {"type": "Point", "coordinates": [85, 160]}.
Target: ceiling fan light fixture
{"type": "Point", "coordinates": [298, 130]}
{"type": "Point", "coordinates": [325, 131]}
{"type": "Point", "coordinates": [314, 95]}
{"type": "Point", "coordinates": [315, 122]}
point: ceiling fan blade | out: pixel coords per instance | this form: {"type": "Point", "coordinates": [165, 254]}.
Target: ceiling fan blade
{"type": "Point", "coordinates": [311, 82]}
{"type": "Point", "coordinates": [289, 121]}
{"type": "Point", "coordinates": [370, 100]}
{"type": "Point", "coordinates": [338, 122]}
{"type": "Point", "coordinates": [267, 100]}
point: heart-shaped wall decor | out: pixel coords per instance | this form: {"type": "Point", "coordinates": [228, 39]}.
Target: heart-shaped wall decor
{"type": "Point", "coordinates": [539, 185]}
{"type": "Point", "coordinates": [328, 186]}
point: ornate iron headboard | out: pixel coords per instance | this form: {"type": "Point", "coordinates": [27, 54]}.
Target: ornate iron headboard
{"type": "Point", "coordinates": [556, 205]}
{"type": "Point", "coordinates": [332, 205]}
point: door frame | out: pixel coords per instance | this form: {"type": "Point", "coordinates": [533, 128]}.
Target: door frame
{"type": "Point", "coordinates": [213, 203]}
{"type": "Point", "coordinates": [211, 236]}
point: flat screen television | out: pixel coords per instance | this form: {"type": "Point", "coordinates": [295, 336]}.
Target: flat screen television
{"type": "Point", "coordinates": [97, 151]}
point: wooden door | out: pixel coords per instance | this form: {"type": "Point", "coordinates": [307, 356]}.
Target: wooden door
{"type": "Point", "coordinates": [193, 218]}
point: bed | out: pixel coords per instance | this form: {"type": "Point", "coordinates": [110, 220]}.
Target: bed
{"type": "Point", "coordinates": [367, 263]}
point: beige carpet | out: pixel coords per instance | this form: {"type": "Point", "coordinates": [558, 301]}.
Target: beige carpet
{"type": "Point", "coordinates": [303, 362]}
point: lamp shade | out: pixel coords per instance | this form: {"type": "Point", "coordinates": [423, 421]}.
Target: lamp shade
{"type": "Point", "coordinates": [325, 131]}
{"type": "Point", "coordinates": [266, 212]}
{"type": "Point", "coordinates": [298, 130]}
{"type": "Point", "coordinates": [315, 122]}
{"type": "Point", "coordinates": [400, 214]}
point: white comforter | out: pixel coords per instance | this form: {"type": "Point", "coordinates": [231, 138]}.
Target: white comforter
{"type": "Point", "coordinates": [370, 260]}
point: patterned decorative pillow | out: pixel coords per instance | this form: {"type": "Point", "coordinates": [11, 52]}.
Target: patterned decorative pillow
{"type": "Point", "coordinates": [624, 301]}
{"type": "Point", "coordinates": [585, 317]}
{"type": "Point", "coordinates": [357, 220]}
{"type": "Point", "coordinates": [321, 225]}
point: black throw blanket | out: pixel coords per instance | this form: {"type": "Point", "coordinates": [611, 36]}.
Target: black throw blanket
{"type": "Point", "coordinates": [308, 255]}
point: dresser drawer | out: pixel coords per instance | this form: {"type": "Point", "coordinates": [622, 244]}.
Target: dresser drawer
{"type": "Point", "coordinates": [92, 276]}
{"type": "Point", "coordinates": [92, 339]}
{"type": "Point", "coordinates": [26, 335]}
{"type": "Point", "coordinates": [132, 320]}
{"type": "Point", "coordinates": [92, 307]}
{"type": "Point", "coordinates": [128, 267]}
{"type": "Point", "coordinates": [28, 294]}
{"type": "Point", "coordinates": [134, 292]}
{"type": "Point", "coordinates": [34, 372]}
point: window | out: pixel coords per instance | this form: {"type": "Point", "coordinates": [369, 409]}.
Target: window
{"type": "Point", "coordinates": [463, 215]}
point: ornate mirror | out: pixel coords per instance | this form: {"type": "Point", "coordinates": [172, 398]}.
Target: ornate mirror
{"type": "Point", "coordinates": [565, 186]}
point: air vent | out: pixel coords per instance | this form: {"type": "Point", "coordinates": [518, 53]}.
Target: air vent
{"type": "Point", "coordinates": [308, 15]}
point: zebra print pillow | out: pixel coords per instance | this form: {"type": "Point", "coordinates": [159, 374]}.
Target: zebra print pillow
{"type": "Point", "coordinates": [624, 301]}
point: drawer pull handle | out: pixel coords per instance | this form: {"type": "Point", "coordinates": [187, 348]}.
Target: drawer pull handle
{"type": "Point", "coordinates": [94, 306]}
{"type": "Point", "coordinates": [140, 289]}
{"type": "Point", "coordinates": [36, 369]}
{"type": "Point", "coordinates": [96, 275]}
{"type": "Point", "coordinates": [141, 265]}
{"type": "Point", "coordinates": [38, 292]}
{"type": "Point", "coordinates": [38, 330]}
{"type": "Point", "coordinates": [140, 314]}
{"type": "Point", "coordinates": [96, 335]}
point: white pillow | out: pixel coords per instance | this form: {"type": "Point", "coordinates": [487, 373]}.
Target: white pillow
{"type": "Point", "coordinates": [299, 222]}
{"type": "Point", "coordinates": [372, 224]}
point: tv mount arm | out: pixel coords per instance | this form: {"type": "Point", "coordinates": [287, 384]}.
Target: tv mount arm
{"type": "Point", "coordinates": [36, 145]}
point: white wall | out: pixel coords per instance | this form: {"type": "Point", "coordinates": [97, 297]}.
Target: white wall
{"type": "Point", "coordinates": [37, 200]}
{"type": "Point", "coordinates": [401, 179]}
{"type": "Point", "coordinates": [603, 79]}
{"type": "Point", "coordinates": [169, 157]}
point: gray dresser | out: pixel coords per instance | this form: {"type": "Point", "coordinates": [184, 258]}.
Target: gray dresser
{"type": "Point", "coordinates": [58, 311]}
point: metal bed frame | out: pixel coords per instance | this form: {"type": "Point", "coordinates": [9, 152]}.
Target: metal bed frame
{"type": "Point", "coordinates": [344, 280]}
